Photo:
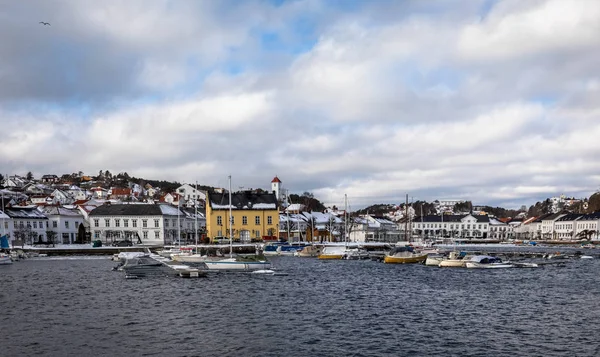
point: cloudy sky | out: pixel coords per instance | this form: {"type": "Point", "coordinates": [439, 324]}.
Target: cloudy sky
{"type": "Point", "coordinates": [497, 102]}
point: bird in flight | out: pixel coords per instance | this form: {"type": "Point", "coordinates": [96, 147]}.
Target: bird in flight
{"type": "Point", "coordinates": [45, 23]}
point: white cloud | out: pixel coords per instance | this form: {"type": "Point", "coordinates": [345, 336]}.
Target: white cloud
{"type": "Point", "coordinates": [431, 100]}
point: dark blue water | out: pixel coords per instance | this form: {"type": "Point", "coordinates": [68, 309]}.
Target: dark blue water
{"type": "Point", "coordinates": [322, 308]}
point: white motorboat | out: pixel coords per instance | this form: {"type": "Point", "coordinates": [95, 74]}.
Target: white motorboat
{"type": "Point", "coordinates": [235, 264]}
{"type": "Point", "coordinates": [434, 259]}
{"type": "Point", "coordinates": [5, 259]}
{"type": "Point", "coordinates": [487, 262]}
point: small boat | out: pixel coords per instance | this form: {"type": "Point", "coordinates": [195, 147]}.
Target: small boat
{"type": "Point", "coordinates": [356, 254]}
{"type": "Point", "coordinates": [235, 264]}
{"type": "Point", "coordinates": [5, 259]}
{"type": "Point", "coordinates": [144, 266]}
{"type": "Point", "coordinates": [404, 255]}
{"type": "Point", "coordinates": [434, 259]}
{"type": "Point", "coordinates": [487, 262]}
{"type": "Point", "coordinates": [455, 260]}
{"type": "Point", "coordinates": [586, 257]}
{"type": "Point", "coordinates": [309, 251]}
{"type": "Point", "coordinates": [333, 252]}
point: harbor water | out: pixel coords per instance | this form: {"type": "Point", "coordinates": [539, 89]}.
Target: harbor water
{"type": "Point", "coordinates": [78, 306]}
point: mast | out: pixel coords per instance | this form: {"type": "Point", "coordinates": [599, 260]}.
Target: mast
{"type": "Point", "coordinates": [406, 220]}
{"type": "Point", "coordinates": [196, 216]}
{"type": "Point", "coordinates": [179, 222]}
{"type": "Point", "coordinates": [230, 222]}
{"type": "Point", "coordinates": [422, 225]}
{"type": "Point", "coordinates": [346, 219]}
{"type": "Point", "coordinates": [287, 210]}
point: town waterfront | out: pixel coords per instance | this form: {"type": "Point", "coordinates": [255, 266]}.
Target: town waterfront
{"type": "Point", "coordinates": [76, 305]}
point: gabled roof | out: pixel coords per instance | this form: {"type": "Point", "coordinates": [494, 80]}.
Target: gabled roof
{"type": "Point", "coordinates": [570, 217]}
{"type": "Point", "coordinates": [61, 211]}
{"type": "Point", "coordinates": [276, 180]}
{"type": "Point", "coordinates": [591, 216]}
{"type": "Point", "coordinates": [24, 212]}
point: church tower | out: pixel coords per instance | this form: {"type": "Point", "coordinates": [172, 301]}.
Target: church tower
{"type": "Point", "coordinates": [276, 187]}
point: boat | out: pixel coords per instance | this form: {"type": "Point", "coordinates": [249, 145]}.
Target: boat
{"type": "Point", "coordinates": [404, 255]}
{"type": "Point", "coordinates": [5, 259]}
{"type": "Point", "coordinates": [487, 262]}
{"type": "Point", "coordinates": [238, 263]}
{"type": "Point", "coordinates": [434, 259]}
{"type": "Point", "coordinates": [144, 266]}
{"type": "Point", "coordinates": [356, 254]}
{"type": "Point", "coordinates": [309, 251]}
{"type": "Point", "coordinates": [332, 252]}
{"type": "Point", "coordinates": [455, 260]}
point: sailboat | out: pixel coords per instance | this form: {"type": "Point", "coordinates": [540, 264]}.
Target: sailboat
{"type": "Point", "coordinates": [343, 251]}
{"type": "Point", "coordinates": [232, 263]}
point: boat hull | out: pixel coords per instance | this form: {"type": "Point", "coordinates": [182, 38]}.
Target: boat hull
{"type": "Point", "coordinates": [234, 265]}
{"type": "Point", "coordinates": [475, 265]}
{"type": "Point", "coordinates": [390, 259]}
{"type": "Point", "coordinates": [330, 256]}
{"type": "Point", "coordinates": [452, 263]}
{"type": "Point", "coordinates": [5, 260]}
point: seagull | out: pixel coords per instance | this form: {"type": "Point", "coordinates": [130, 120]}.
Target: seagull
{"type": "Point", "coordinates": [45, 23]}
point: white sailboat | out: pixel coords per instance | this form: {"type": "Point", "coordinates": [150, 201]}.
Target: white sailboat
{"type": "Point", "coordinates": [232, 263]}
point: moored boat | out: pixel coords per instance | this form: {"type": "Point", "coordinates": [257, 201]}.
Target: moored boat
{"type": "Point", "coordinates": [404, 255]}
{"type": "Point", "coordinates": [487, 262]}
{"type": "Point", "coordinates": [455, 260]}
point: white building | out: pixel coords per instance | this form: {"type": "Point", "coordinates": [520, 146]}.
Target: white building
{"type": "Point", "coordinates": [369, 228]}
{"type": "Point", "coordinates": [588, 226]}
{"type": "Point", "coordinates": [547, 227]}
{"type": "Point", "coordinates": [500, 230]}
{"type": "Point", "coordinates": [147, 224]}
{"type": "Point", "coordinates": [64, 222]}
{"type": "Point", "coordinates": [29, 224]}
{"type": "Point", "coordinates": [452, 226]}
{"type": "Point", "coordinates": [190, 193]}
{"type": "Point", "coordinates": [276, 187]}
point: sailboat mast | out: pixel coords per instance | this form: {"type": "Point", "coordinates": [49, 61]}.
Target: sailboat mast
{"type": "Point", "coordinates": [196, 216]}
{"type": "Point", "coordinates": [179, 222]}
{"type": "Point", "coordinates": [230, 222]}
{"type": "Point", "coordinates": [406, 220]}
{"type": "Point", "coordinates": [346, 219]}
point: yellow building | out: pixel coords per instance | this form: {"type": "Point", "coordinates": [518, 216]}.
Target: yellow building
{"type": "Point", "coordinates": [254, 215]}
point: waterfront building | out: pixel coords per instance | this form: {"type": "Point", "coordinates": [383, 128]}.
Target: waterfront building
{"type": "Point", "coordinates": [588, 226]}
{"type": "Point", "coordinates": [547, 226]}
{"type": "Point", "coordinates": [29, 225]}
{"type": "Point", "coordinates": [500, 230]}
{"type": "Point", "coordinates": [452, 226]}
{"type": "Point", "coordinates": [368, 228]}
{"type": "Point", "coordinates": [141, 223]}
{"type": "Point", "coordinates": [323, 226]}
{"type": "Point", "coordinates": [64, 224]}
{"type": "Point", "coordinates": [293, 226]}
{"type": "Point", "coordinates": [254, 215]}
{"type": "Point", "coordinates": [565, 227]}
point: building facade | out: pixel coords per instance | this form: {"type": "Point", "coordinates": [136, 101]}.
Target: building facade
{"type": "Point", "coordinates": [253, 215]}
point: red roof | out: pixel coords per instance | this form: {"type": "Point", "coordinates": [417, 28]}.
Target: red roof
{"type": "Point", "coordinates": [276, 179]}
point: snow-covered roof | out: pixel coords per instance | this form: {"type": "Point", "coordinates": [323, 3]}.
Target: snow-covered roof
{"type": "Point", "coordinates": [61, 211]}
{"type": "Point", "coordinates": [169, 210]}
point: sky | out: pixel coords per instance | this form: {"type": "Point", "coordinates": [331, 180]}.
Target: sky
{"type": "Point", "coordinates": [496, 102]}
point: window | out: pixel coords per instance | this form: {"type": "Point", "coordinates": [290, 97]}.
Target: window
{"type": "Point", "coordinates": [125, 223]}
{"type": "Point", "coordinates": [117, 223]}
{"type": "Point", "coordinates": [232, 220]}
{"type": "Point", "coordinates": [67, 224]}
{"type": "Point", "coordinates": [28, 224]}
{"type": "Point", "coordinates": [76, 224]}
{"type": "Point", "coordinates": [219, 221]}
{"type": "Point", "coordinates": [96, 223]}
{"type": "Point", "coordinates": [97, 234]}
{"type": "Point", "coordinates": [269, 220]}
{"type": "Point", "coordinates": [174, 223]}
{"type": "Point", "coordinates": [15, 224]}
{"type": "Point", "coordinates": [219, 233]}
{"type": "Point", "coordinates": [134, 223]}
{"type": "Point", "coordinates": [257, 220]}
{"type": "Point", "coordinates": [54, 224]}
{"type": "Point", "coordinates": [107, 222]}
{"type": "Point", "coordinates": [157, 234]}
{"type": "Point", "coordinates": [156, 223]}
{"type": "Point", "coordinates": [166, 223]}
{"type": "Point", "coordinates": [244, 220]}
{"type": "Point", "coordinates": [145, 235]}
{"type": "Point", "coordinates": [35, 225]}
{"type": "Point", "coordinates": [145, 224]}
